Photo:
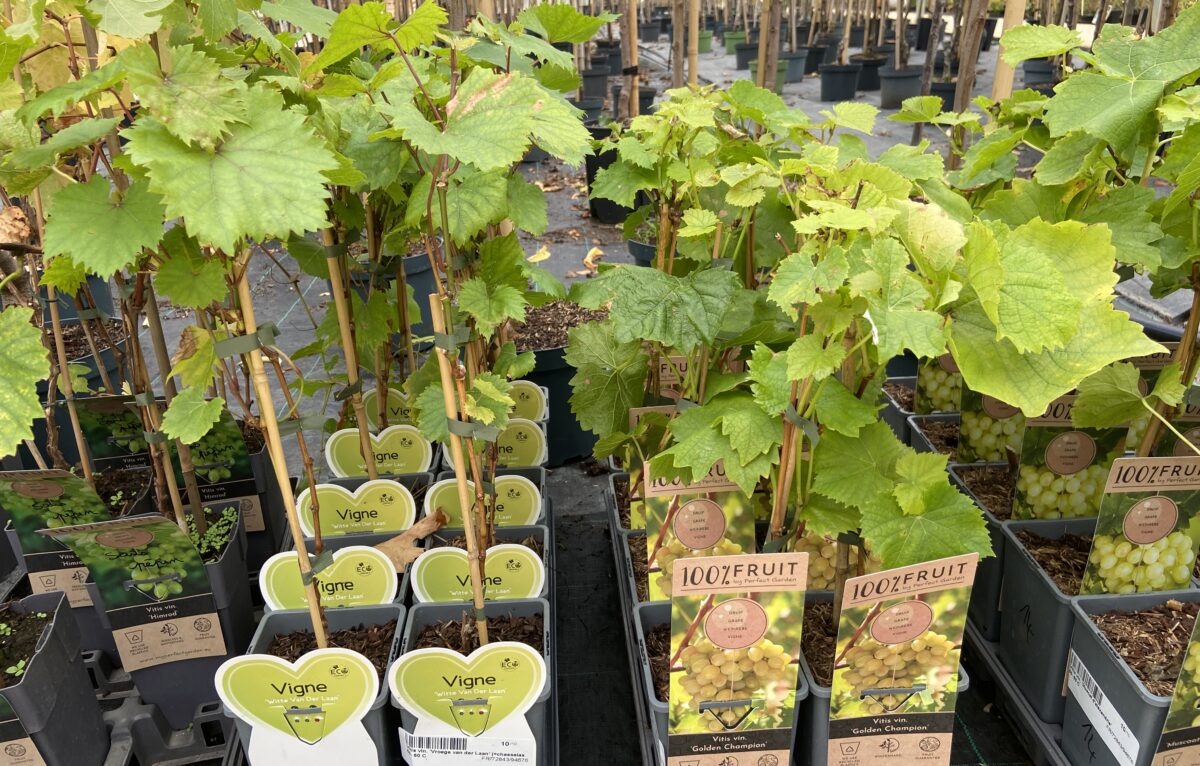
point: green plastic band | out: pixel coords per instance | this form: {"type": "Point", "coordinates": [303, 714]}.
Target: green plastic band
{"type": "Point", "coordinates": [804, 424]}
{"type": "Point", "coordinates": [154, 438]}
{"type": "Point", "coordinates": [450, 342]}
{"type": "Point", "coordinates": [459, 261]}
{"type": "Point", "coordinates": [349, 391]}
{"type": "Point", "coordinates": [335, 251]}
{"type": "Point", "coordinates": [489, 488]}
{"type": "Point", "coordinates": [244, 344]}
{"type": "Point", "coordinates": [126, 288]}
{"type": "Point", "coordinates": [144, 399]}
{"type": "Point", "coordinates": [316, 565]}
{"type": "Point", "coordinates": [774, 546]}
{"type": "Point", "coordinates": [92, 314]}
{"type": "Point", "coordinates": [472, 430]}
{"type": "Point", "coordinates": [1193, 396]}
{"type": "Point", "coordinates": [295, 425]}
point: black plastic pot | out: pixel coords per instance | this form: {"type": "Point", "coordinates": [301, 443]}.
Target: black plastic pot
{"type": "Point", "coordinates": [592, 108]}
{"type": "Point", "coordinates": [744, 52]}
{"type": "Point", "coordinates": [856, 36]}
{"type": "Point", "coordinates": [54, 700]}
{"type": "Point", "coordinates": [984, 609]}
{"type": "Point", "coordinates": [417, 272]}
{"type": "Point", "coordinates": [1035, 618]}
{"type": "Point", "coordinates": [1142, 712]}
{"type": "Point", "coordinates": [595, 82]}
{"type": "Point", "coordinates": [796, 62]}
{"type": "Point", "coordinates": [944, 91]}
{"type": "Point", "coordinates": [603, 210]}
{"type": "Point", "coordinates": [916, 429]}
{"type": "Point", "coordinates": [648, 33]}
{"type": "Point", "coordinates": [179, 688]}
{"type": "Point", "coordinates": [895, 85]}
{"type": "Point", "coordinates": [924, 27]}
{"type": "Point", "coordinates": [1038, 72]}
{"type": "Point", "coordinates": [732, 38]}
{"type": "Point", "coordinates": [566, 439]}
{"type": "Point", "coordinates": [599, 62]}
{"type": "Point", "coordinates": [893, 413]}
{"type": "Point", "coordinates": [838, 81]}
{"type": "Point", "coordinates": [832, 43]}
{"type": "Point", "coordinates": [282, 623]}
{"type": "Point", "coordinates": [538, 716]}
{"type": "Point", "coordinates": [989, 32]}
{"type": "Point", "coordinates": [109, 360]}
{"type": "Point", "coordinates": [643, 254]}
{"type": "Point", "coordinates": [868, 76]}
{"type": "Point", "coordinates": [814, 55]}
{"type": "Point", "coordinates": [646, 96]}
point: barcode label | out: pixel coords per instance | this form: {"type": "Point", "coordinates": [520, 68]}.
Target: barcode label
{"type": "Point", "coordinates": [434, 746]}
{"type": "Point", "coordinates": [1107, 722]}
{"type": "Point", "coordinates": [439, 743]}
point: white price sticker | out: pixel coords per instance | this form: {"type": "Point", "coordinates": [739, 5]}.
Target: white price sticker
{"type": "Point", "coordinates": [1103, 716]}
{"type": "Point", "coordinates": [446, 750]}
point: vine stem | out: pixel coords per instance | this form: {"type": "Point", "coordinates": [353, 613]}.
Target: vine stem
{"type": "Point", "coordinates": [871, 615]}
{"type": "Point", "coordinates": [1153, 411]}
{"type": "Point", "coordinates": [662, 533]}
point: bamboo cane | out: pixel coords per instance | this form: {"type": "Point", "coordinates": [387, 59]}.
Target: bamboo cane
{"type": "Point", "coordinates": [437, 310]}
{"type": "Point", "coordinates": [693, 42]}
{"type": "Point", "coordinates": [1002, 85]}
{"type": "Point", "coordinates": [266, 406]}
{"type": "Point", "coordinates": [351, 354]}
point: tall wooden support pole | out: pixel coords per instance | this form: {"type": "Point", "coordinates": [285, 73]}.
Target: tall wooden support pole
{"type": "Point", "coordinates": [629, 52]}
{"type": "Point", "coordinates": [770, 50]}
{"type": "Point", "coordinates": [679, 27]}
{"type": "Point", "coordinates": [693, 42]}
{"type": "Point", "coordinates": [266, 408]}
{"type": "Point", "coordinates": [437, 311]}
{"type": "Point", "coordinates": [1002, 85]}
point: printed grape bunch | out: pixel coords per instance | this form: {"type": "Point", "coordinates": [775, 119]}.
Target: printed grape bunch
{"type": "Point", "coordinates": [217, 453]}
{"type": "Point", "coordinates": [982, 437]}
{"type": "Point", "coordinates": [674, 549]}
{"type": "Point", "coordinates": [713, 674]}
{"type": "Point", "coordinates": [822, 560]}
{"type": "Point", "coordinates": [871, 667]}
{"type": "Point", "coordinates": [937, 389]}
{"type": "Point", "coordinates": [1044, 494]}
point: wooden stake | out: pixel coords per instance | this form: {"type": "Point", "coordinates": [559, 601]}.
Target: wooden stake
{"type": "Point", "coordinates": [630, 53]}
{"type": "Point", "coordinates": [693, 42]}
{"type": "Point", "coordinates": [678, 32]}
{"type": "Point", "coordinates": [475, 557]}
{"type": "Point", "coordinates": [266, 408]}
{"type": "Point", "coordinates": [351, 353]}
{"type": "Point", "coordinates": [1002, 85]}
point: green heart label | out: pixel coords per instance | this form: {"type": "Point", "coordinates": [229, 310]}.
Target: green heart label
{"type": "Point", "coordinates": [511, 571]}
{"type": "Point", "coordinates": [379, 505]}
{"type": "Point", "coordinates": [307, 700]}
{"type": "Point", "coordinates": [398, 410]}
{"type": "Point", "coordinates": [359, 576]}
{"type": "Point", "coordinates": [518, 501]}
{"type": "Point", "coordinates": [472, 694]}
{"type": "Point", "coordinates": [521, 445]}
{"type": "Point", "coordinates": [530, 400]}
{"type": "Point", "coordinates": [398, 449]}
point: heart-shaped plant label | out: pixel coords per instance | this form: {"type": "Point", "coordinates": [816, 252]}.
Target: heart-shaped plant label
{"type": "Point", "coordinates": [518, 501]}
{"type": "Point", "coordinates": [521, 445]}
{"type": "Point", "coordinates": [471, 694]}
{"type": "Point", "coordinates": [511, 571]}
{"type": "Point", "coordinates": [378, 505]}
{"type": "Point", "coordinates": [359, 575]}
{"type": "Point", "coordinates": [308, 700]}
{"type": "Point", "coordinates": [398, 410]}
{"type": "Point", "coordinates": [529, 399]}
{"type": "Point", "coordinates": [398, 449]}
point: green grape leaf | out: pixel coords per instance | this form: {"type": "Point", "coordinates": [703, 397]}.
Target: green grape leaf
{"type": "Point", "coordinates": [190, 416]}
{"type": "Point", "coordinates": [511, 365]}
{"type": "Point", "coordinates": [841, 411]}
{"type": "Point", "coordinates": [490, 305]}
{"type": "Point", "coordinates": [217, 17]}
{"type": "Point", "coordinates": [1031, 41]}
{"type": "Point", "coordinates": [1030, 381]}
{"type": "Point", "coordinates": [488, 401]}
{"type": "Point", "coordinates": [951, 526]}
{"type": "Point", "coordinates": [808, 357]}
{"type": "Point", "coordinates": [369, 24]}
{"type": "Point", "coordinates": [678, 312]}
{"type": "Point", "coordinates": [1109, 398]}
{"type": "Point", "coordinates": [559, 22]}
{"type": "Point", "coordinates": [919, 472]}
{"type": "Point", "coordinates": [128, 18]}
{"type": "Point", "coordinates": [186, 276]}
{"type": "Point", "coordinates": [698, 222]}
{"type": "Point", "coordinates": [472, 202]}
{"type": "Point", "coordinates": [799, 281]}
{"type": "Point", "coordinates": [309, 17]}
{"type": "Point", "coordinates": [429, 408]}
{"type": "Point", "coordinates": [558, 127]}
{"type": "Point", "coordinates": [526, 205]}
{"type": "Point", "coordinates": [857, 471]}
{"type": "Point", "coordinates": [60, 98]}
{"type": "Point", "coordinates": [853, 115]}
{"type": "Point", "coordinates": [825, 517]}
{"type": "Point", "coordinates": [769, 379]}
{"type": "Point", "coordinates": [194, 361]}
{"type": "Point", "coordinates": [610, 377]}
{"type": "Point", "coordinates": [267, 173]}
{"type": "Point", "coordinates": [79, 134]}
{"type": "Point", "coordinates": [915, 163]}
{"type": "Point", "coordinates": [1126, 211]}
{"type": "Point", "coordinates": [100, 233]}
{"type": "Point", "coordinates": [1169, 388]}
{"type": "Point", "coordinates": [752, 432]}
{"type": "Point", "coordinates": [194, 101]}
{"type": "Point", "coordinates": [1068, 158]}
{"type": "Point", "coordinates": [621, 181]}
{"type": "Point", "coordinates": [64, 275]}
{"type": "Point", "coordinates": [23, 363]}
